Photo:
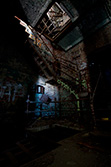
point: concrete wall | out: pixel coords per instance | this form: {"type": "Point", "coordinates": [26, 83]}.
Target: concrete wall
{"type": "Point", "coordinates": [34, 9]}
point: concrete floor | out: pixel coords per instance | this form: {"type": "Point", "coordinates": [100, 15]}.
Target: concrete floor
{"type": "Point", "coordinates": [50, 143]}
{"type": "Point", "coordinates": [79, 150]}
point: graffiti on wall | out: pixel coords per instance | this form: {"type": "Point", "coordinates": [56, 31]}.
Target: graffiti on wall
{"type": "Point", "coordinates": [67, 88]}
{"type": "Point", "coordinates": [83, 83]}
{"type": "Point", "coordinates": [9, 92]}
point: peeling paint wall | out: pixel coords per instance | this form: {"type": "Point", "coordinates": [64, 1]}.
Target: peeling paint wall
{"type": "Point", "coordinates": [45, 100]}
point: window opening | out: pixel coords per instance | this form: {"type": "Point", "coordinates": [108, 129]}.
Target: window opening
{"type": "Point", "coordinates": [40, 89]}
{"type": "Point", "coordinates": [54, 21]}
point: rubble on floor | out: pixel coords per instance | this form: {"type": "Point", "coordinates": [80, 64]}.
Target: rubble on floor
{"type": "Point", "coordinates": [42, 124]}
{"type": "Point", "coordinates": [59, 145]}
{"type": "Point", "coordinates": [80, 150]}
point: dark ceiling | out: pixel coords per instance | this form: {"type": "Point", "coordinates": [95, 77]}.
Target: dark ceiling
{"type": "Point", "coordinates": [13, 36]}
{"type": "Point", "coordinates": [11, 31]}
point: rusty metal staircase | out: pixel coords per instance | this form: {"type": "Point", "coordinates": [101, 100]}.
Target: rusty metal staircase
{"type": "Point", "coordinates": [46, 63]}
{"type": "Point", "coordinates": [40, 58]}
{"type": "Point", "coordinates": [43, 55]}
{"type": "Point", "coordinates": [45, 59]}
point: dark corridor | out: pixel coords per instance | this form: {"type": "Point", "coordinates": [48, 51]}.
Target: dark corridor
{"type": "Point", "coordinates": [100, 77]}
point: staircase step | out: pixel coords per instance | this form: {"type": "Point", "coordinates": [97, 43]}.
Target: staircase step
{"type": "Point", "coordinates": [49, 80]}
{"type": "Point", "coordinates": [42, 69]}
{"type": "Point", "coordinates": [36, 58]}
{"type": "Point", "coordinates": [41, 62]}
